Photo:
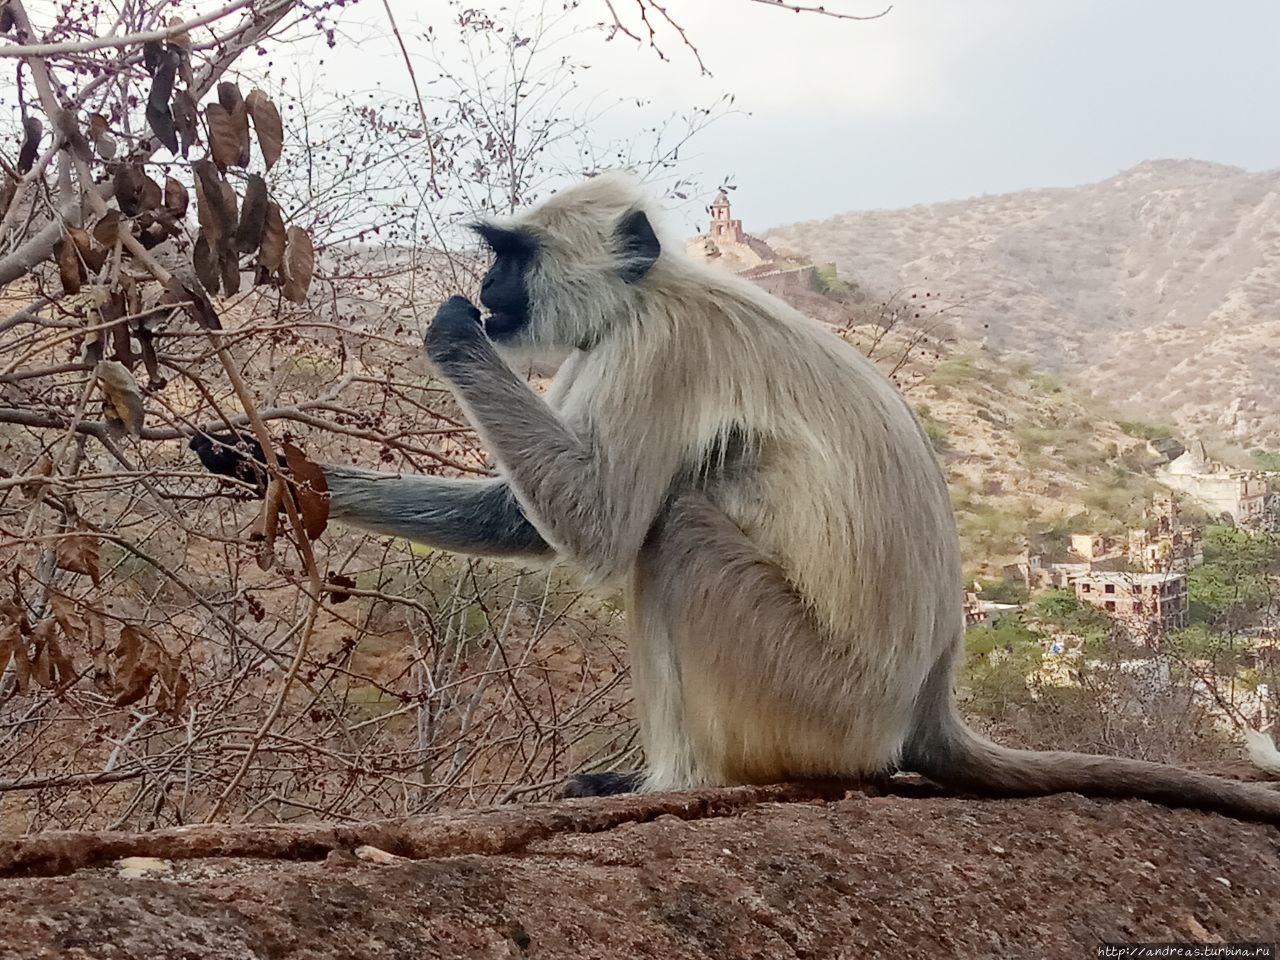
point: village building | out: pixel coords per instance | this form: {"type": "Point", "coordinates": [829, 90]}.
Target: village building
{"type": "Point", "coordinates": [1225, 492]}
{"type": "Point", "coordinates": [1094, 548]}
{"type": "Point", "coordinates": [1144, 602]}
{"type": "Point", "coordinates": [728, 244]}
{"type": "Point", "coordinates": [1165, 544]}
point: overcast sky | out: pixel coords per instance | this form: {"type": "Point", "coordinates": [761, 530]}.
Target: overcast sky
{"type": "Point", "coordinates": [943, 99]}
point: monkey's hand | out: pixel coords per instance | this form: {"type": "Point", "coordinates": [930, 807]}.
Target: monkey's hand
{"type": "Point", "coordinates": [455, 333]}
{"type": "Point", "coordinates": [238, 456]}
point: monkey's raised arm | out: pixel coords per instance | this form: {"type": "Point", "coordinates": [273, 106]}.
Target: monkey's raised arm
{"type": "Point", "coordinates": [595, 506]}
{"type": "Point", "coordinates": [480, 517]}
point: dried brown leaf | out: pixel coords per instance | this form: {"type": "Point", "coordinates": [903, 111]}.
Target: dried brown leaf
{"type": "Point", "coordinates": [60, 671]}
{"type": "Point", "coordinates": [114, 309]}
{"type": "Point", "coordinates": [267, 125]}
{"type": "Point", "coordinates": [310, 490]}
{"type": "Point", "coordinates": [224, 137]}
{"type": "Point", "coordinates": [52, 667]}
{"type": "Point", "coordinates": [129, 644]}
{"type": "Point", "coordinates": [102, 673]}
{"type": "Point", "coordinates": [70, 269]}
{"type": "Point", "coordinates": [129, 180]}
{"type": "Point", "coordinates": [205, 260]}
{"type": "Point", "coordinates": [134, 684]}
{"type": "Point", "coordinates": [271, 254]}
{"type": "Point", "coordinates": [122, 400]}
{"type": "Point", "coordinates": [196, 303]}
{"type": "Point", "coordinates": [179, 38]}
{"type": "Point", "coordinates": [253, 215]}
{"type": "Point", "coordinates": [299, 263]}
{"type": "Point", "coordinates": [230, 273]}
{"type": "Point", "coordinates": [137, 653]}
{"type": "Point", "coordinates": [106, 146]}
{"type": "Point", "coordinates": [82, 239]}
{"type": "Point", "coordinates": [77, 629]}
{"type": "Point", "coordinates": [159, 116]}
{"type": "Point", "coordinates": [152, 197]}
{"type": "Point", "coordinates": [78, 553]}
{"type": "Point", "coordinates": [41, 668]}
{"type": "Point", "coordinates": [176, 198]}
{"type": "Point", "coordinates": [21, 663]}
{"type": "Point", "coordinates": [97, 126]}
{"type": "Point", "coordinates": [229, 202]}
{"type": "Point", "coordinates": [10, 639]}
{"type": "Point", "coordinates": [233, 123]}
{"type": "Point", "coordinates": [185, 119]}
{"type": "Point", "coordinates": [107, 230]}
{"type": "Point", "coordinates": [216, 220]}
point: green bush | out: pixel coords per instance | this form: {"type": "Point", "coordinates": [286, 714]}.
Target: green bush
{"type": "Point", "coordinates": [998, 660]}
{"type": "Point", "coordinates": [1265, 460]}
{"type": "Point", "coordinates": [934, 429]}
{"type": "Point", "coordinates": [1061, 610]}
{"type": "Point", "coordinates": [1198, 642]}
{"type": "Point", "coordinates": [1233, 584]}
{"type": "Point", "coordinates": [955, 371]}
{"type": "Point", "coordinates": [828, 280]}
{"type": "Point", "coordinates": [1145, 431]}
{"type": "Point", "coordinates": [1005, 591]}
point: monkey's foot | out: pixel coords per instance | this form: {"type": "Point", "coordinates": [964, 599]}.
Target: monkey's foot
{"type": "Point", "coordinates": [602, 784]}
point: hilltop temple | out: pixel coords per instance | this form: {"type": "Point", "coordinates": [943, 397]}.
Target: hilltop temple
{"type": "Point", "coordinates": [727, 244]}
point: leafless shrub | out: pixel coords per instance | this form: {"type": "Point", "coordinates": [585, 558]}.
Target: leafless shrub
{"type": "Point", "coordinates": [186, 256]}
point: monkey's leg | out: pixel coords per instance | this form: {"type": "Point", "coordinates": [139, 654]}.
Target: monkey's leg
{"type": "Point", "coordinates": [762, 693]}
{"type": "Point", "coordinates": [733, 681]}
{"type": "Point", "coordinates": [463, 516]}
{"type": "Point", "coordinates": [658, 697]}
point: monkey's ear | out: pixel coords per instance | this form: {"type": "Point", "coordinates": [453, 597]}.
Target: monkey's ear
{"type": "Point", "coordinates": [638, 245]}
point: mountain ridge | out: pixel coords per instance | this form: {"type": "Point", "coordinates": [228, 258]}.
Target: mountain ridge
{"type": "Point", "coordinates": [1157, 287]}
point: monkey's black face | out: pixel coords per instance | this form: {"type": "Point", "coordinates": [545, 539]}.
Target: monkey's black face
{"type": "Point", "coordinates": [505, 292]}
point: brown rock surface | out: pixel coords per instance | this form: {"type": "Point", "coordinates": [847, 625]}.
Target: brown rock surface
{"type": "Point", "coordinates": [722, 874]}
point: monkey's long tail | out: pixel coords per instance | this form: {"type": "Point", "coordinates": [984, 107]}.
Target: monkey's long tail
{"type": "Point", "coordinates": [943, 749]}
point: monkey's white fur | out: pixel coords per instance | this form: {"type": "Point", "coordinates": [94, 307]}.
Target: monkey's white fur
{"type": "Point", "coordinates": [771, 505]}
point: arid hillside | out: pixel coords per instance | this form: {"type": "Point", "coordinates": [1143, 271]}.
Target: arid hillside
{"type": "Point", "coordinates": [1025, 452]}
{"type": "Point", "coordinates": [1157, 287]}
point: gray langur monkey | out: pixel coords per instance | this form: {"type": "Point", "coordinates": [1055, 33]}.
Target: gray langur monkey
{"type": "Point", "coordinates": [765, 495]}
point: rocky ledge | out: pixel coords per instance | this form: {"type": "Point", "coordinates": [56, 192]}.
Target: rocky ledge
{"type": "Point", "coordinates": [769, 873]}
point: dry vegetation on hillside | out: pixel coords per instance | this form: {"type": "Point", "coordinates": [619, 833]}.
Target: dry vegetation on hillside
{"type": "Point", "coordinates": [1026, 454]}
{"type": "Point", "coordinates": [1156, 287]}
